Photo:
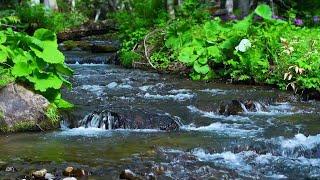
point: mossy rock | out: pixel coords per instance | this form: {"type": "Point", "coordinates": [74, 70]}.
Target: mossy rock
{"type": "Point", "coordinates": [22, 110]}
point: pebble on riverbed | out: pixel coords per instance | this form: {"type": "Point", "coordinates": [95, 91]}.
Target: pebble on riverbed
{"type": "Point", "coordinates": [71, 171]}
{"type": "Point", "coordinates": [11, 169]}
{"type": "Point", "coordinates": [39, 174]}
{"type": "Point", "coordinates": [128, 174]}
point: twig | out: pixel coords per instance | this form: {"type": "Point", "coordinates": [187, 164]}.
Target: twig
{"type": "Point", "coordinates": [40, 127]}
{"type": "Point", "coordinates": [146, 48]}
{"type": "Point", "coordinates": [7, 25]}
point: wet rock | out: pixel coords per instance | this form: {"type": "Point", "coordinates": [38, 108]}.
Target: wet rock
{"type": "Point", "coordinates": [39, 174]}
{"type": "Point", "coordinates": [233, 107]}
{"type": "Point", "coordinates": [159, 170]}
{"type": "Point", "coordinates": [128, 174]}
{"type": "Point", "coordinates": [70, 178]}
{"type": "Point", "coordinates": [86, 57]}
{"type": "Point", "coordinates": [130, 120]}
{"type": "Point", "coordinates": [11, 169]}
{"type": "Point", "coordinates": [96, 46]}
{"type": "Point", "coordinates": [236, 107]}
{"type": "Point", "coordinates": [87, 29]}
{"type": "Point", "coordinates": [3, 165]}
{"type": "Point", "coordinates": [71, 171]}
{"type": "Point", "coordinates": [22, 109]}
{"type": "Point", "coordinates": [104, 46]}
{"type": "Point", "coordinates": [103, 119]}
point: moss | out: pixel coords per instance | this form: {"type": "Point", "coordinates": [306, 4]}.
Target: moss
{"type": "Point", "coordinates": [49, 122]}
{"type": "Point", "coordinates": [52, 114]}
{"type": "Point", "coordinates": [69, 45]}
{"type": "Point", "coordinates": [24, 126]}
{"type": "Point", "coordinates": [1, 114]}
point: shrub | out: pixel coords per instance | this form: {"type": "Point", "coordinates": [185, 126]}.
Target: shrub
{"type": "Point", "coordinates": [35, 61]}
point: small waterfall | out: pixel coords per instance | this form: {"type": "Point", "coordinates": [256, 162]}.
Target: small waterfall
{"type": "Point", "coordinates": [244, 108]}
{"type": "Point", "coordinates": [103, 120]}
{"type": "Point", "coordinates": [258, 107]}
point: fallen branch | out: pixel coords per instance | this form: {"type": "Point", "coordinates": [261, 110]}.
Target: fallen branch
{"type": "Point", "coordinates": [146, 52]}
{"type": "Point", "coordinates": [40, 127]}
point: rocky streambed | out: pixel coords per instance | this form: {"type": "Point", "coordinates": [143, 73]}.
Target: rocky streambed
{"type": "Point", "coordinates": [141, 125]}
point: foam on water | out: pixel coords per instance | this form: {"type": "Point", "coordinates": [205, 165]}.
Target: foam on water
{"type": "Point", "coordinates": [177, 91]}
{"type": "Point", "coordinates": [176, 97]}
{"type": "Point", "coordinates": [96, 89]}
{"type": "Point", "coordinates": [223, 128]}
{"type": "Point", "coordinates": [249, 163]}
{"type": "Point", "coordinates": [300, 140]}
{"type": "Point", "coordinates": [99, 132]}
{"type": "Point", "coordinates": [214, 91]}
{"type": "Point", "coordinates": [85, 132]}
{"type": "Point", "coordinates": [146, 87]}
{"type": "Point", "coordinates": [215, 115]}
{"type": "Point", "coordinates": [114, 85]}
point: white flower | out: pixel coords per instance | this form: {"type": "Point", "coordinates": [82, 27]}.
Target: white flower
{"type": "Point", "coordinates": [244, 45]}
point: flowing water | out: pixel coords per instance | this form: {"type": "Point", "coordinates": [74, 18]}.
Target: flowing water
{"type": "Point", "coordinates": [278, 139]}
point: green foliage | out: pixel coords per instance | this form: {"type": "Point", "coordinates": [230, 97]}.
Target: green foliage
{"type": "Point", "coordinates": [128, 57]}
{"type": "Point", "coordinates": [52, 114]}
{"type": "Point", "coordinates": [160, 60]}
{"type": "Point", "coordinates": [134, 25]}
{"type": "Point", "coordinates": [36, 61]}
{"type": "Point", "coordinates": [37, 16]}
{"type": "Point", "coordinates": [6, 77]}
{"type": "Point", "coordinates": [264, 11]}
{"type": "Point", "coordinates": [269, 51]}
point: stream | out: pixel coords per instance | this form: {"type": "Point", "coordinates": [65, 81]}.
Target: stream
{"type": "Point", "coordinates": [277, 139]}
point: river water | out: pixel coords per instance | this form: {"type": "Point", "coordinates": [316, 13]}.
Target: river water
{"type": "Point", "coordinates": [279, 139]}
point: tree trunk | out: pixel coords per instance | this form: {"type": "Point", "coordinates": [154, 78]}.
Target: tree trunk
{"type": "Point", "coordinates": [97, 15]}
{"type": "Point", "coordinates": [52, 4]}
{"type": "Point", "coordinates": [35, 2]}
{"type": "Point", "coordinates": [244, 6]}
{"type": "Point", "coordinates": [170, 8]}
{"type": "Point", "coordinates": [73, 5]}
{"type": "Point", "coordinates": [229, 6]}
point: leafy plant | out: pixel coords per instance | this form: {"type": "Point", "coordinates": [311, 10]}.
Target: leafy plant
{"type": "Point", "coordinates": [36, 61]}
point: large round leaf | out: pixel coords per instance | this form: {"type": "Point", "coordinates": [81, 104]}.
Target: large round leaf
{"type": "Point", "coordinates": [264, 11]}
{"type": "Point", "coordinates": [202, 69]}
{"type": "Point", "coordinates": [21, 69]}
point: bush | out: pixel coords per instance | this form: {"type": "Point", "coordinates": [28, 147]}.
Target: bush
{"type": "Point", "coordinates": [35, 61]}
{"type": "Point", "coordinates": [37, 16]}
{"type": "Point", "coordinates": [268, 51]}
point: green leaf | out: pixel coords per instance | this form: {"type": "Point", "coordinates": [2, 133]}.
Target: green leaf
{"type": "Point", "coordinates": [214, 52]}
{"type": "Point", "coordinates": [202, 69]}
{"type": "Point", "coordinates": [3, 37]}
{"type": "Point", "coordinates": [21, 69]}
{"type": "Point", "coordinates": [187, 56]}
{"type": "Point", "coordinates": [6, 77]}
{"type": "Point", "coordinates": [203, 60]}
{"type": "Point", "coordinates": [3, 56]}
{"type": "Point", "coordinates": [244, 24]}
{"type": "Point", "coordinates": [264, 11]}
{"type": "Point", "coordinates": [195, 76]}
{"type": "Point", "coordinates": [42, 82]}
{"type": "Point", "coordinates": [50, 55]}
{"type": "Point", "coordinates": [44, 35]}
{"type": "Point", "coordinates": [63, 69]}
{"type": "Point", "coordinates": [63, 104]}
